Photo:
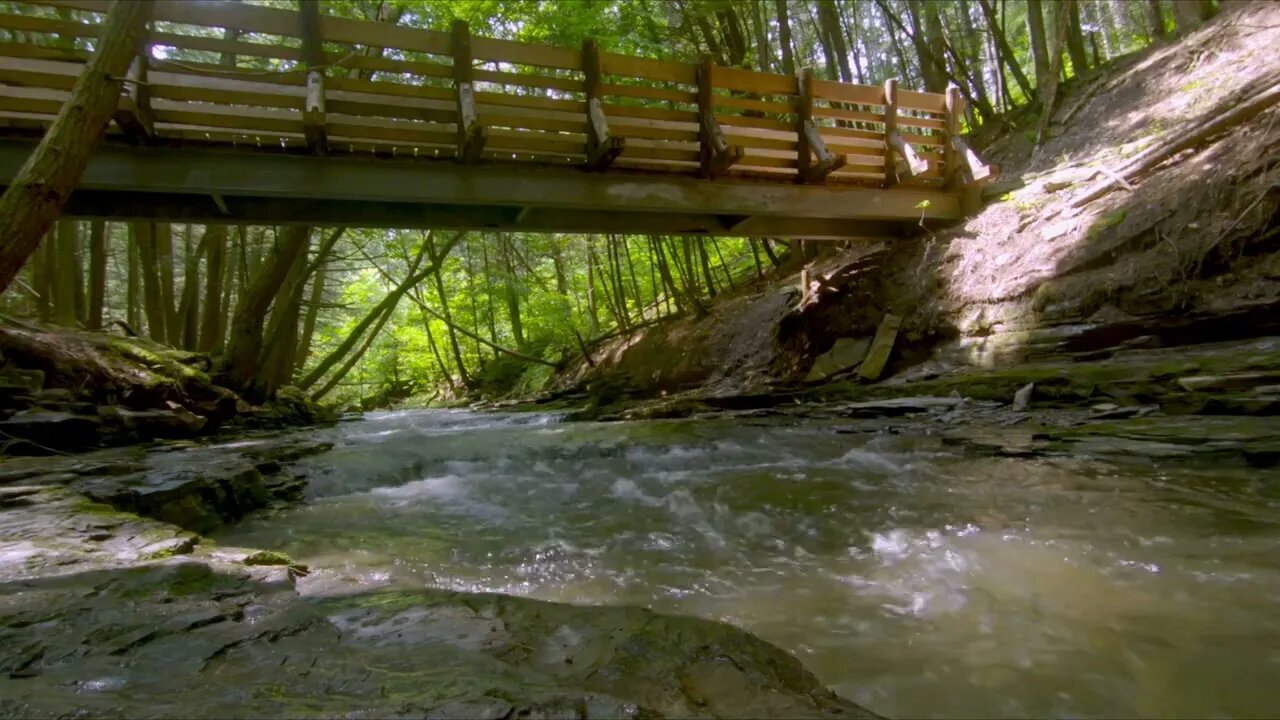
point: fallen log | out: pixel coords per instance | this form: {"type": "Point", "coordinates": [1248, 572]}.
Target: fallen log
{"type": "Point", "coordinates": [1188, 139]}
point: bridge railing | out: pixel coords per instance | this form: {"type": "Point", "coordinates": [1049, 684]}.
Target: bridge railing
{"type": "Point", "coordinates": [240, 74]}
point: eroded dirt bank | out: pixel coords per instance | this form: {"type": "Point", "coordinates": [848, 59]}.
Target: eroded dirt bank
{"type": "Point", "coordinates": [1181, 255]}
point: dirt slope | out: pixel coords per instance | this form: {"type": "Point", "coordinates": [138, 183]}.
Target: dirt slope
{"type": "Point", "coordinates": [1190, 253]}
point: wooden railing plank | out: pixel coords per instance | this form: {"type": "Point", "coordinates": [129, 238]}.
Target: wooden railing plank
{"type": "Point", "coordinates": [522, 53]}
{"type": "Point", "coordinates": [627, 66]}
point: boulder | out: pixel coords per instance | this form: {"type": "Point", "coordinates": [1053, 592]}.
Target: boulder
{"type": "Point", "coordinates": [900, 406]}
{"type": "Point", "coordinates": [1022, 398]}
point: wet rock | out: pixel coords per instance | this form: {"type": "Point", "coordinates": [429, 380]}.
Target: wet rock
{"type": "Point", "coordinates": [1111, 411]}
{"type": "Point", "coordinates": [172, 424]}
{"type": "Point", "coordinates": [1226, 383]}
{"type": "Point", "coordinates": [168, 548]}
{"type": "Point", "coordinates": [1022, 398]}
{"type": "Point", "coordinates": [16, 382]}
{"type": "Point", "coordinates": [899, 406]}
{"type": "Point", "coordinates": [845, 354]}
{"type": "Point", "coordinates": [196, 500]}
{"type": "Point", "coordinates": [46, 431]}
{"type": "Point", "coordinates": [54, 395]}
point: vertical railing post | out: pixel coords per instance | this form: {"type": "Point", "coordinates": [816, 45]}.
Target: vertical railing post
{"type": "Point", "coordinates": [714, 152]}
{"type": "Point", "coordinates": [602, 148]}
{"type": "Point", "coordinates": [313, 123]}
{"type": "Point", "coordinates": [809, 141]}
{"type": "Point", "coordinates": [954, 106]}
{"type": "Point", "coordinates": [471, 134]}
{"type": "Point", "coordinates": [890, 129]}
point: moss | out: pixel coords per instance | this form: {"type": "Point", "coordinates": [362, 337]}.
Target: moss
{"type": "Point", "coordinates": [268, 557]}
{"type": "Point", "coordinates": [86, 506]}
{"type": "Point", "coordinates": [192, 579]}
{"type": "Point", "coordinates": [1105, 221]}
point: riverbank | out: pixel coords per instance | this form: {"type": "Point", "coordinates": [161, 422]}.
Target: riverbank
{"type": "Point", "coordinates": [114, 601]}
{"type": "Point", "coordinates": [66, 390]}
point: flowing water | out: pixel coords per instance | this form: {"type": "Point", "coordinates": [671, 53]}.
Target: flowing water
{"type": "Point", "coordinates": [912, 578]}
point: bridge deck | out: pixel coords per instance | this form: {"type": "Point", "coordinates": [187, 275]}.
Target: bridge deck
{"type": "Point", "coordinates": [306, 117]}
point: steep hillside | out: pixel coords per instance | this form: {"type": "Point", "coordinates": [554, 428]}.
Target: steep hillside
{"type": "Point", "coordinates": [1185, 251]}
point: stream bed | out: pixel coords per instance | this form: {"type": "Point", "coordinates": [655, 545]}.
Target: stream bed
{"type": "Point", "coordinates": [912, 576]}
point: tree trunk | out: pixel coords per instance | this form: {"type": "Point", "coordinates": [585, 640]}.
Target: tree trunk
{"type": "Point", "coordinates": [1155, 18]}
{"type": "Point", "coordinates": [215, 240]}
{"type": "Point", "coordinates": [454, 346]}
{"type": "Point", "coordinates": [1006, 52]}
{"type": "Point", "coordinates": [280, 349]}
{"type": "Point", "coordinates": [162, 237]}
{"type": "Point", "coordinates": [32, 202]}
{"type": "Point", "coordinates": [97, 274]}
{"type": "Point", "coordinates": [152, 297]}
{"type": "Point", "coordinates": [42, 277]}
{"type": "Point", "coordinates": [511, 291]}
{"type": "Point", "coordinates": [133, 299]}
{"type": "Point", "coordinates": [1039, 43]}
{"type": "Point", "coordinates": [1075, 39]}
{"type": "Point", "coordinates": [1186, 16]}
{"type": "Point", "coordinates": [313, 314]}
{"type": "Point", "coordinates": [706, 268]}
{"type": "Point", "coordinates": [784, 39]}
{"type": "Point", "coordinates": [244, 344]}
{"type": "Point", "coordinates": [66, 273]}
{"type": "Point", "coordinates": [936, 42]}
{"type": "Point", "coordinates": [189, 307]}
{"type": "Point", "coordinates": [761, 37]}
{"type": "Point", "coordinates": [593, 311]}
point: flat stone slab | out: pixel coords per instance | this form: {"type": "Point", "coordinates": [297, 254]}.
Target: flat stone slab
{"type": "Point", "coordinates": [899, 406]}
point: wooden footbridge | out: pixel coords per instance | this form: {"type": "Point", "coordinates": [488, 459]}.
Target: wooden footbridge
{"type": "Point", "coordinates": [242, 113]}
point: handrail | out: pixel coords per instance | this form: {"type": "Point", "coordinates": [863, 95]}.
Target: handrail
{"type": "Point", "coordinates": [507, 101]}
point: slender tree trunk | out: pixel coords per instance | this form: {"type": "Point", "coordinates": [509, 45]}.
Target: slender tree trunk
{"type": "Point", "coordinates": [66, 273]}
{"type": "Point", "coordinates": [706, 268]}
{"type": "Point", "coordinates": [152, 297]}
{"type": "Point", "coordinates": [97, 273]}
{"type": "Point", "coordinates": [42, 277]}
{"type": "Point", "coordinates": [761, 37]}
{"type": "Point", "coordinates": [1155, 18]}
{"type": "Point", "coordinates": [1006, 52]}
{"type": "Point", "coordinates": [435, 352]}
{"type": "Point", "coordinates": [784, 39]}
{"type": "Point", "coordinates": [133, 295]}
{"type": "Point", "coordinates": [189, 307]}
{"type": "Point", "coordinates": [32, 202]}
{"type": "Point", "coordinates": [163, 238]}
{"type": "Point", "coordinates": [664, 270]}
{"type": "Point", "coordinates": [313, 314]}
{"type": "Point", "coordinates": [454, 346]}
{"type": "Point", "coordinates": [1075, 39]}
{"type": "Point", "coordinates": [728, 276]}
{"type": "Point", "coordinates": [1039, 42]}
{"type": "Point", "coordinates": [511, 291]}
{"type": "Point", "coordinates": [215, 242]}
{"type": "Point", "coordinates": [593, 312]}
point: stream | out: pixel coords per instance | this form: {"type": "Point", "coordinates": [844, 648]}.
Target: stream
{"type": "Point", "coordinates": [912, 577]}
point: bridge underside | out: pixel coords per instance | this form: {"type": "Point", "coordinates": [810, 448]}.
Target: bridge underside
{"type": "Point", "coordinates": [192, 184]}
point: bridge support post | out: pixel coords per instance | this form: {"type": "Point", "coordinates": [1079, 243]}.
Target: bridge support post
{"type": "Point", "coordinates": [471, 134]}
{"type": "Point", "coordinates": [715, 152]}
{"type": "Point", "coordinates": [602, 147]}
{"type": "Point", "coordinates": [809, 140]}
